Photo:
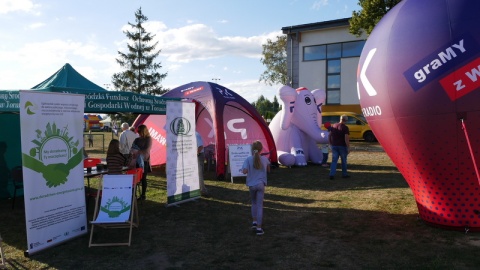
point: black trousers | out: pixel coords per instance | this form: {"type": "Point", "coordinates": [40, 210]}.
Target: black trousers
{"type": "Point", "coordinates": [146, 170]}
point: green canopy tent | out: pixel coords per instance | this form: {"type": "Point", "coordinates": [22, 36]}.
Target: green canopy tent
{"type": "Point", "coordinates": [65, 80]}
{"type": "Point", "coordinates": [67, 76]}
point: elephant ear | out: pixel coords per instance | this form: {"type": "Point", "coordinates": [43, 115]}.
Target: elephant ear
{"type": "Point", "coordinates": [320, 97]}
{"type": "Point", "coordinates": [288, 96]}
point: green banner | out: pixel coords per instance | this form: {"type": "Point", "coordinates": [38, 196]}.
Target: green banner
{"type": "Point", "coordinates": [97, 102]}
{"type": "Point", "coordinates": [9, 101]}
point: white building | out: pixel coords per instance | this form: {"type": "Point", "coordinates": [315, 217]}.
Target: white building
{"type": "Point", "coordinates": [325, 55]}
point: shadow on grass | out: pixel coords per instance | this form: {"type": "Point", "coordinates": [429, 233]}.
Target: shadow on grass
{"type": "Point", "coordinates": [317, 178]}
{"type": "Point", "coordinates": [310, 222]}
{"type": "Point", "coordinates": [217, 231]}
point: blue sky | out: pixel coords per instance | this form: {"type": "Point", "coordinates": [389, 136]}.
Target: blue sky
{"type": "Point", "coordinates": [199, 40]}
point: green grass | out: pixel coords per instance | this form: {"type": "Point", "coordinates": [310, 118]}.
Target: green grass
{"type": "Point", "coordinates": [369, 221]}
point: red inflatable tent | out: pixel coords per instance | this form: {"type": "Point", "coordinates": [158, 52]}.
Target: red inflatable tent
{"type": "Point", "coordinates": [222, 118]}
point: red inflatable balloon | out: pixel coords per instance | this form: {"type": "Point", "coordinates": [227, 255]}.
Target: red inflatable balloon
{"type": "Point", "coordinates": [419, 87]}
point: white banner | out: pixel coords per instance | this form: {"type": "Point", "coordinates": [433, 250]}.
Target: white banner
{"type": "Point", "coordinates": [52, 158]}
{"type": "Point", "coordinates": [182, 166]}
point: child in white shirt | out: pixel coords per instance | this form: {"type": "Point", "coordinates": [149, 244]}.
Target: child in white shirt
{"type": "Point", "coordinates": [325, 149]}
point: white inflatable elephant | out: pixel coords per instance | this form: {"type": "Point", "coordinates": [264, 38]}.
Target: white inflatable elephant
{"type": "Point", "coordinates": [296, 128]}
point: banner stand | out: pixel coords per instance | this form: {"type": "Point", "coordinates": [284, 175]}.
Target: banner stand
{"type": "Point", "coordinates": [177, 204]}
{"type": "Point", "coordinates": [182, 162]}
{"type": "Point", "coordinates": [51, 127]}
{"type": "Point", "coordinates": [2, 255]}
{"type": "Point", "coordinates": [28, 254]}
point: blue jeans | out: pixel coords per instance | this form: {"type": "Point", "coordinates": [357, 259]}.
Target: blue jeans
{"type": "Point", "coordinates": [325, 158]}
{"type": "Point", "coordinates": [257, 194]}
{"type": "Point", "coordinates": [342, 152]}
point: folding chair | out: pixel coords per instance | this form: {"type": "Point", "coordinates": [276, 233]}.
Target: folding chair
{"type": "Point", "coordinates": [117, 208]}
{"type": "Point", "coordinates": [2, 255]}
{"type": "Point", "coordinates": [138, 174]}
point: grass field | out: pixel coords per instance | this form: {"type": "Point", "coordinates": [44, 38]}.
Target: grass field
{"type": "Point", "coordinates": [369, 221]}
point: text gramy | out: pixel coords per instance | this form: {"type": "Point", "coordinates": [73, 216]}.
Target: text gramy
{"type": "Point", "coordinates": [443, 57]}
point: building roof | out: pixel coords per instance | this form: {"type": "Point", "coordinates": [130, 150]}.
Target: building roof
{"type": "Point", "coordinates": [315, 26]}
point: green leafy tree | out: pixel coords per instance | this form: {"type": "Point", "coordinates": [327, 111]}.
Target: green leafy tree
{"type": "Point", "coordinates": [141, 71]}
{"type": "Point", "coordinates": [371, 13]}
{"type": "Point", "coordinates": [275, 105]}
{"type": "Point", "coordinates": [265, 107]}
{"type": "Point", "coordinates": [275, 60]}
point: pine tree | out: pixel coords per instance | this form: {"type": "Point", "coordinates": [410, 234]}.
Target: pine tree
{"type": "Point", "coordinates": [265, 107]}
{"type": "Point", "coordinates": [140, 74]}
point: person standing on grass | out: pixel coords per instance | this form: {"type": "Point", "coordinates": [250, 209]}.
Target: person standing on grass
{"type": "Point", "coordinates": [115, 159]}
{"type": "Point", "coordinates": [90, 138]}
{"type": "Point", "coordinates": [339, 139]}
{"type": "Point", "coordinates": [201, 164]}
{"type": "Point", "coordinates": [126, 140]}
{"type": "Point", "coordinates": [325, 150]}
{"type": "Point", "coordinates": [256, 168]}
{"type": "Point", "coordinates": [85, 154]}
{"type": "Point", "coordinates": [325, 147]}
{"type": "Point", "coordinates": [144, 144]}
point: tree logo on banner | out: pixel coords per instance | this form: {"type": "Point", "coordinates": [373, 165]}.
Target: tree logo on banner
{"type": "Point", "coordinates": [115, 207]}
{"type": "Point", "coordinates": [180, 126]}
{"type": "Point", "coordinates": [54, 154]}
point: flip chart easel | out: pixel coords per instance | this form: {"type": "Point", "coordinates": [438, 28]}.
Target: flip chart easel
{"type": "Point", "coordinates": [237, 153]}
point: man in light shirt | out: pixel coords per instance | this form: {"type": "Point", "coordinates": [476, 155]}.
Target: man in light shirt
{"type": "Point", "coordinates": [126, 140]}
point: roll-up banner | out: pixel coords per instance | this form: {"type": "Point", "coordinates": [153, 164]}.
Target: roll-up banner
{"type": "Point", "coordinates": [52, 158]}
{"type": "Point", "coordinates": [182, 166]}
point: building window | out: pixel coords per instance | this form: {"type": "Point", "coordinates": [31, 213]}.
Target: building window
{"type": "Point", "coordinates": [334, 50]}
{"type": "Point", "coordinates": [333, 53]}
{"type": "Point", "coordinates": [333, 66]}
{"type": "Point", "coordinates": [333, 97]}
{"type": "Point", "coordinates": [352, 49]}
{"type": "Point", "coordinates": [314, 53]}
{"type": "Point", "coordinates": [333, 81]}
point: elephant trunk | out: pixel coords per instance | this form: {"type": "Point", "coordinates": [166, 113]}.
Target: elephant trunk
{"type": "Point", "coordinates": [321, 136]}
{"type": "Point", "coordinates": [312, 130]}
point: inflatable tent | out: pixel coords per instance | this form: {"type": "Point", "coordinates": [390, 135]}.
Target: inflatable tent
{"type": "Point", "coordinates": [222, 118]}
